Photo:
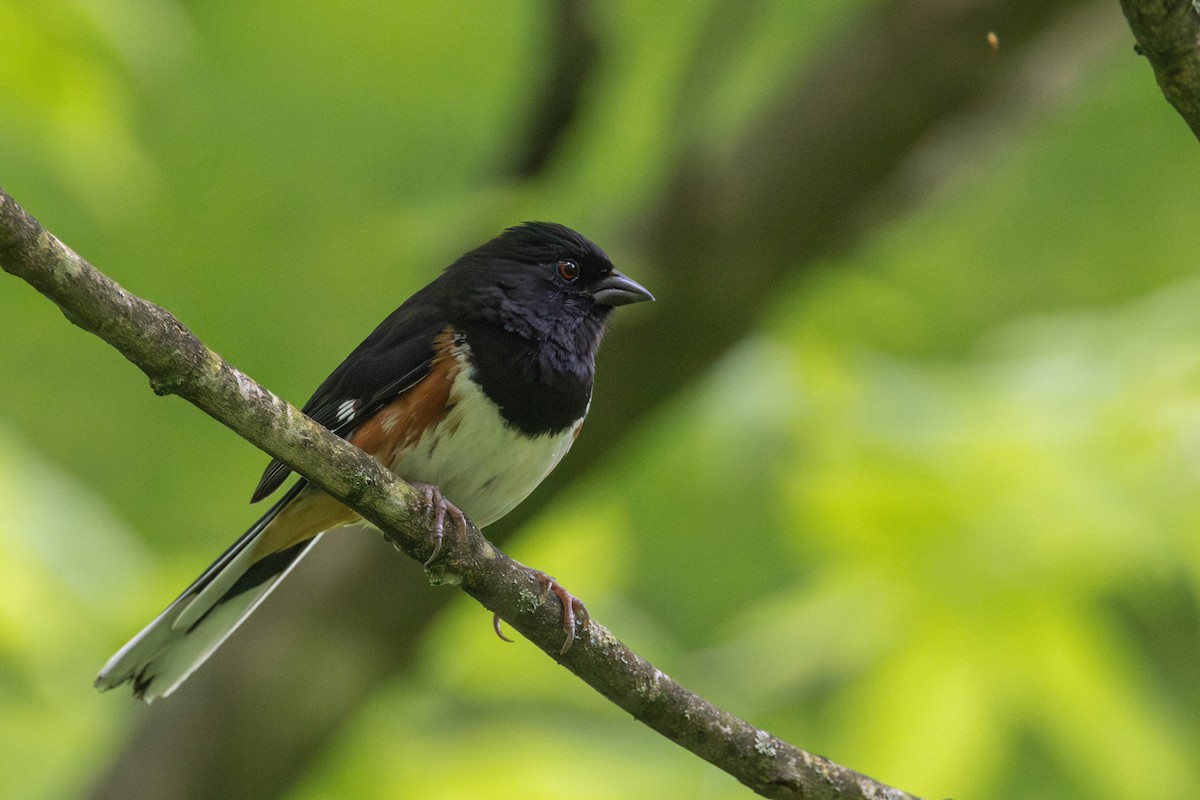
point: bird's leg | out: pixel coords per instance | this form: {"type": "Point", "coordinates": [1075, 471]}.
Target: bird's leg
{"type": "Point", "coordinates": [437, 509]}
{"type": "Point", "coordinates": [573, 608]}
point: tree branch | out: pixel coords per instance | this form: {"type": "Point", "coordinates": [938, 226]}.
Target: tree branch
{"type": "Point", "coordinates": [178, 363]}
{"type": "Point", "coordinates": [1168, 35]}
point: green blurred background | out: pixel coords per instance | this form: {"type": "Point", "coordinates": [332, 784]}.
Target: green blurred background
{"type": "Point", "coordinates": [902, 466]}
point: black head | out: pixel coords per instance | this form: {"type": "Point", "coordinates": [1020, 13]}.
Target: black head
{"type": "Point", "coordinates": [532, 304]}
{"type": "Point", "coordinates": [545, 282]}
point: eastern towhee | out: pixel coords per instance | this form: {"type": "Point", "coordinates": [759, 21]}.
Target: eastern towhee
{"type": "Point", "coordinates": [472, 390]}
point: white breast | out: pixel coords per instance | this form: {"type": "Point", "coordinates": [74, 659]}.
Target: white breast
{"type": "Point", "coordinates": [481, 464]}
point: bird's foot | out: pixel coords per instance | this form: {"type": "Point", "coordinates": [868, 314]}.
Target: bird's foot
{"type": "Point", "coordinates": [437, 510]}
{"type": "Point", "coordinates": [573, 609]}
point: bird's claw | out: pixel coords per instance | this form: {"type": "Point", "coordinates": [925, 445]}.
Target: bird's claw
{"type": "Point", "coordinates": [437, 509]}
{"type": "Point", "coordinates": [573, 609]}
{"type": "Point", "coordinates": [496, 628]}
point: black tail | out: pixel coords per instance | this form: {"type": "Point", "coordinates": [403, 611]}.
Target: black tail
{"type": "Point", "coordinates": [183, 636]}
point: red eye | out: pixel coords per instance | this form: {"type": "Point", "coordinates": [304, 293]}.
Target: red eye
{"type": "Point", "coordinates": [568, 270]}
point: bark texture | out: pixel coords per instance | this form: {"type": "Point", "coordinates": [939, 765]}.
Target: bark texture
{"type": "Point", "coordinates": [1168, 35]}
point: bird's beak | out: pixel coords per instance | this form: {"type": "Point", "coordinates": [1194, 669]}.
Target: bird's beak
{"type": "Point", "coordinates": [614, 289]}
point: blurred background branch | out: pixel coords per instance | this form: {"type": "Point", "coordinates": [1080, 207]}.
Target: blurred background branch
{"type": "Point", "coordinates": [572, 45]}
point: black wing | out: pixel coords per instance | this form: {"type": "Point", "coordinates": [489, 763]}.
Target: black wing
{"type": "Point", "coordinates": [396, 356]}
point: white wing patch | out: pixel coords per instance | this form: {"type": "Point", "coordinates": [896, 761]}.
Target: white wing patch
{"type": "Point", "coordinates": [346, 409]}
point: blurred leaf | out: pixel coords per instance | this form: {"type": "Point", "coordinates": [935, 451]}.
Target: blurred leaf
{"type": "Point", "coordinates": [65, 564]}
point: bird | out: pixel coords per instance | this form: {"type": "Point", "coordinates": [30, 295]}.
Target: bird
{"type": "Point", "coordinates": [472, 391]}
